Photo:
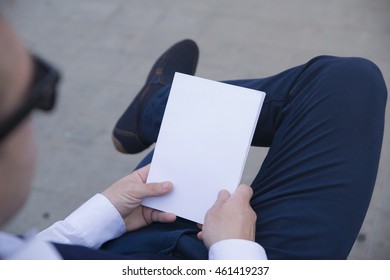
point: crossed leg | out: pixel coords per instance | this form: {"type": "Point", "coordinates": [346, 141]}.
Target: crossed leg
{"type": "Point", "coordinates": [323, 122]}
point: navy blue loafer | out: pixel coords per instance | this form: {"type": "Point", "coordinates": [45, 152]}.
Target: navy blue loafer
{"type": "Point", "coordinates": [181, 57]}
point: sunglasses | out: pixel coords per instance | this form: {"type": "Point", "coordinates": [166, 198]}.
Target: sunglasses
{"type": "Point", "coordinates": [40, 95]}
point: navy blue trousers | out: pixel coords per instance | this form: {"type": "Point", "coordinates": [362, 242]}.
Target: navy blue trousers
{"type": "Point", "coordinates": [323, 123]}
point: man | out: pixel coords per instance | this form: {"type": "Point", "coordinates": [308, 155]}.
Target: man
{"type": "Point", "coordinates": [310, 195]}
{"type": "Point", "coordinates": [27, 82]}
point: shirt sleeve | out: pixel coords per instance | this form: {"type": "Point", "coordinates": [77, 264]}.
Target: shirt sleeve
{"type": "Point", "coordinates": [92, 224]}
{"type": "Point", "coordinates": [237, 249]}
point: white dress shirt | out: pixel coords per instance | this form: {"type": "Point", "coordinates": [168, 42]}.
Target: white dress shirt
{"type": "Point", "coordinates": [94, 223]}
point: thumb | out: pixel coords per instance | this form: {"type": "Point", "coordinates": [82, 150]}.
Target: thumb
{"type": "Point", "coordinates": [223, 196]}
{"type": "Point", "coordinates": [155, 189]}
{"type": "Point", "coordinates": [243, 191]}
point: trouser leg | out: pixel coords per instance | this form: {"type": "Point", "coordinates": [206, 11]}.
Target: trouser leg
{"type": "Point", "coordinates": [314, 187]}
{"type": "Point", "coordinates": [323, 122]}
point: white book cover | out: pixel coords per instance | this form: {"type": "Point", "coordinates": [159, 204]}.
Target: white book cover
{"type": "Point", "coordinates": [203, 143]}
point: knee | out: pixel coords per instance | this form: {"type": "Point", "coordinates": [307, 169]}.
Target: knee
{"type": "Point", "coordinates": [358, 79]}
{"type": "Point", "coordinates": [357, 70]}
{"type": "Point", "coordinates": [365, 81]}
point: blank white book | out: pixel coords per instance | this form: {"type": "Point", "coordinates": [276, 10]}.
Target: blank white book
{"type": "Point", "coordinates": [203, 143]}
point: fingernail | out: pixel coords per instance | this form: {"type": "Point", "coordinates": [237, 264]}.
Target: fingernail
{"type": "Point", "coordinates": [166, 185]}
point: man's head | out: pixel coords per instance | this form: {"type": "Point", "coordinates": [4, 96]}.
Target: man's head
{"type": "Point", "coordinates": [17, 150]}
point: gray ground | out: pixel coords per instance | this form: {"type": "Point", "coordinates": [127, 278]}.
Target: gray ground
{"type": "Point", "coordinates": [105, 50]}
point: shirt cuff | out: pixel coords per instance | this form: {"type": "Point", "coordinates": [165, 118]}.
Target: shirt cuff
{"type": "Point", "coordinates": [237, 249]}
{"type": "Point", "coordinates": [92, 224]}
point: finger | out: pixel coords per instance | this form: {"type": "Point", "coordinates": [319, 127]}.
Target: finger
{"type": "Point", "coordinates": [156, 189]}
{"type": "Point", "coordinates": [200, 226]}
{"type": "Point", "coordinates": [200, 235]}
{"type": "Point", "coordinates": [162, 217]}
{"type": "Point", "coordinates": [223, 196]}
{"type": "Point", "coordinates": [152, 189]}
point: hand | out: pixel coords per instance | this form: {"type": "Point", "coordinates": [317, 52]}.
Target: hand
{"type": "Point", "coordinates": [231, 217]}
{"type": "Point", "coordinates": [127, 194]}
